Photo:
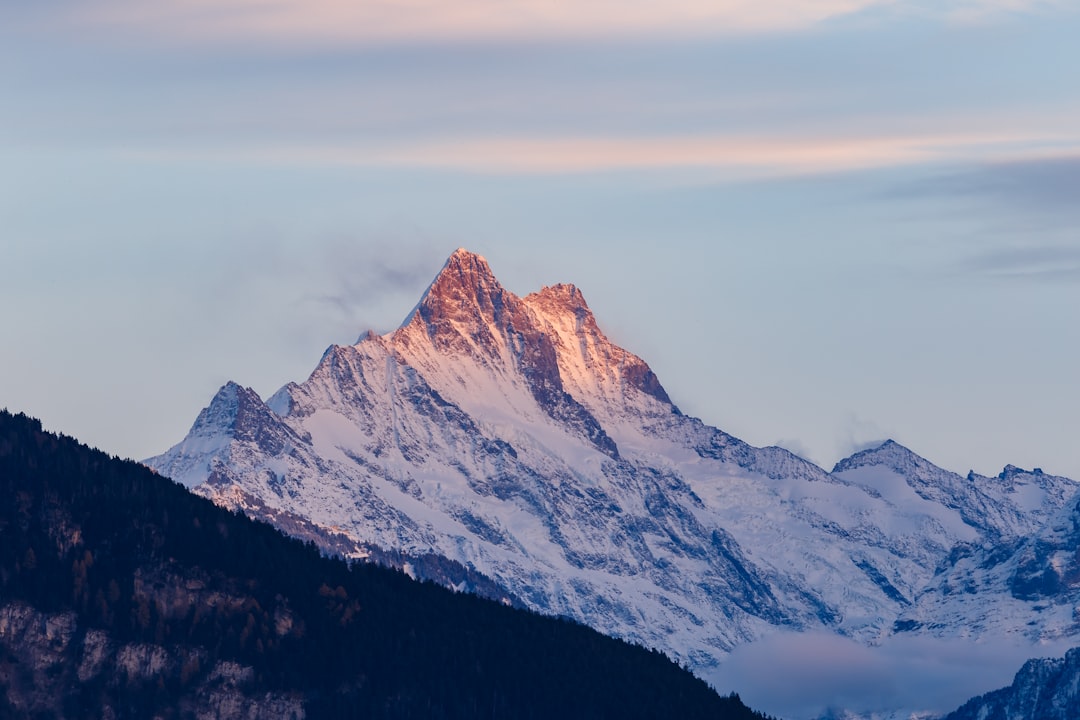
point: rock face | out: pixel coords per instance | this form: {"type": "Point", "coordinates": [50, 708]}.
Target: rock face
{"type": "Point", "coordinates": [60, 669]}
{"type": "Point", "coordinates": [510, 436]}
{"type": "Point", "coordinates": [1044, 689]}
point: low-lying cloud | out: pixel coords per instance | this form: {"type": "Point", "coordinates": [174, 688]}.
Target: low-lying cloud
{"type": "Point", "coordinates": [806, 675]}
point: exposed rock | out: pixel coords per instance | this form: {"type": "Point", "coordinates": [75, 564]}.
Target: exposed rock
{"type": "Point", "coordinates": [1043, 689]}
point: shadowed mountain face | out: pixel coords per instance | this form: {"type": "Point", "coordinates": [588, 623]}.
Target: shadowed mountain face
{"type": "Point", "coordinates": [510, 436]}
{"type": "Point", "coordinates": [124, 595]}
{"type": "Point", "coordinates": [1043, 689]}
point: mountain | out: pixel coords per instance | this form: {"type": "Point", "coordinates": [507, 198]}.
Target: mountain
{"type": "Point", "coordinates": [124, 595]}
{"type": "Point", "coordinates": [508, 435]}
{"type": "Point", "coordinates": [1015, 503]}
{"type": "Point", "coordinates": [1026, 585]}
{"type": "Point", "coordinates": [1044, 689]}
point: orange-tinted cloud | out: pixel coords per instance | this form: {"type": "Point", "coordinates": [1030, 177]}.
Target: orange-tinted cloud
{"type": "Point", "coordinates": [350, 21]}
{"type": "Point", "coordinates": [733, 156]}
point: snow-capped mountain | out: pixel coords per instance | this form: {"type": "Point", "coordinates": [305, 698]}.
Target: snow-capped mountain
{"type": "Point", "coordinates": [1013, 504]}
{"type": "Point", "coordinates": [1026, 585]}
{"type": "Point", "coordinates": [510, 436]}
{"type": "Point", "coordinates": [1044, 689]}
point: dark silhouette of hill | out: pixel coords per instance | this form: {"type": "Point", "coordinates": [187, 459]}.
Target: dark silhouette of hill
{"type": "Point", "coordinates": [123, 595]}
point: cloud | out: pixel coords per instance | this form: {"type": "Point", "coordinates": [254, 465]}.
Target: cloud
{"type": "Point", "coordinates": [738, 156]}
{"type": "Point", "coordinates": [800, 674]}
{"type": "Point", "coordinates": [860, 434]}
{"type": "Point", "coordinates": [795, 446]}
{"type": "Point", "coordinates": [1040, 262]}
{"type": "Point", "coordinates": [1025, 214]}
{"type": "Point", "coordinates": [381, 21]}
{"type": "Point", "coordinates": [803, 675]}
{"type": "Point", "coordinates": [571, 155]}
{"type": "Point", "coordinates": [977, 11]}
{"type": "Point", "coordinates": [1039, 184]}
{"type": "Point", "coordinates": [356, 278]}
{"type": "Point", "coordinates": [1039, 181]}
{"type": "Point", "coordinates": [858, 447]}
{"type": "Point", "coordinates": [347, 21]}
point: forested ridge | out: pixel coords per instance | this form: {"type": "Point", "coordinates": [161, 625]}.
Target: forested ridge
{"type": "Point", "coordinates": [127, 555]}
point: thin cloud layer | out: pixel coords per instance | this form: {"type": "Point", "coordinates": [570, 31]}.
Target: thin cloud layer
{"type": "Point", "coordinates": [343, 21]}
{"type": "Point", "coordinates": [733, 156]}
{"type": "Point", "coordinates": [1042, 184]}
{"type": "Point", "coordinates": [1035, 262]}
{"type": "Point", "coordinates": [774, 155]}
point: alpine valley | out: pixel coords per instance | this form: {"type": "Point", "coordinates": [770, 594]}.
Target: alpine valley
{"type": "Point", "coordinates": [504, 445]}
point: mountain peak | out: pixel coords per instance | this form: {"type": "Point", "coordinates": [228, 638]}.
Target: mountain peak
{"type": "Point", "coordinates": [463, 270]}
{"type": "Point", "coordinates": [562, 299]}
{"type": "Point", "coordinates": [889, 453]}
{"type": "Point", "coordinates": [239, 411]}
{"type": "Point", "coordinates": [563, 292]}
{"type": "Point", "coordinates": [584, 350]}
{"type": "Point", "coordinates": [465, 265]}
{"type": "Point", "coordinates": [1011, 471]}
{"type": "Point", "coordinates": [465, 254]}
{"type": "Point", "coordinates": [229, 403]}
{"type": "Point", "coordinates": [464, 299]}
{"type": "Point", "coordinates": [466, 314]}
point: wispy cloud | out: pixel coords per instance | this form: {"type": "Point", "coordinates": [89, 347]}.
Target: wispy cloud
{"type": "Point", "coordinates": [858, 434]}
{"type": "Point", "coordinates": [347, 21]}
{"type": "Point", "coordinates": [1037, 262]}
{"type": "Point", "coordinates": [784, 155]}
{"type": "Point", "coordinates": [796, 446]}
{"type": "Point", "coordinates": [355, 276]}
{"type": "Point", "coordinates": [1025, 215]}
{"type": "Point", "coordinates": [730, 156]}
{"type": "Point", "coordinates": [983, 10]}
{"type": "Point", "coordinates": [1047, 182]}
{"type": "Point", "coordinates": [381, 21]}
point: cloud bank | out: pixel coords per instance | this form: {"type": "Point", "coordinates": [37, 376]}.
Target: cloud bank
{"type": "Point", "coordinates": [803, 676]}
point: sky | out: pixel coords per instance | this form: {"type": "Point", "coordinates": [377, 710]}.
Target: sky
{"type": "Point", "coordinates": [823, 224]}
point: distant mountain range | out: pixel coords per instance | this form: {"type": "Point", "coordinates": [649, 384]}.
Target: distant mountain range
{"type": "Point", "coordinates": [505, 446]}
{"type": "Point", "coordinates": [122, 595]}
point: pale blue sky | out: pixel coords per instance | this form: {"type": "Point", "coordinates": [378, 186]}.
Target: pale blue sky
{"type": "Point", "coordinates": [822, 224]}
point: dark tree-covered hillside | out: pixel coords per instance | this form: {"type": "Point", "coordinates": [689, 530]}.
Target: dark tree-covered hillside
{"type": "Point", "coordinates": [123, 595]}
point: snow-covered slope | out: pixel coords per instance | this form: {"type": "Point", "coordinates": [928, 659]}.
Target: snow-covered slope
{"type": "Point", "coordinates": [1025, 586]}
{"type": "Point", "coordinates": [1012, 504]}
{"type": "Point", "coordinates": [508, 434]}
{"type": "Point", "coordinates": [1044, 689]}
